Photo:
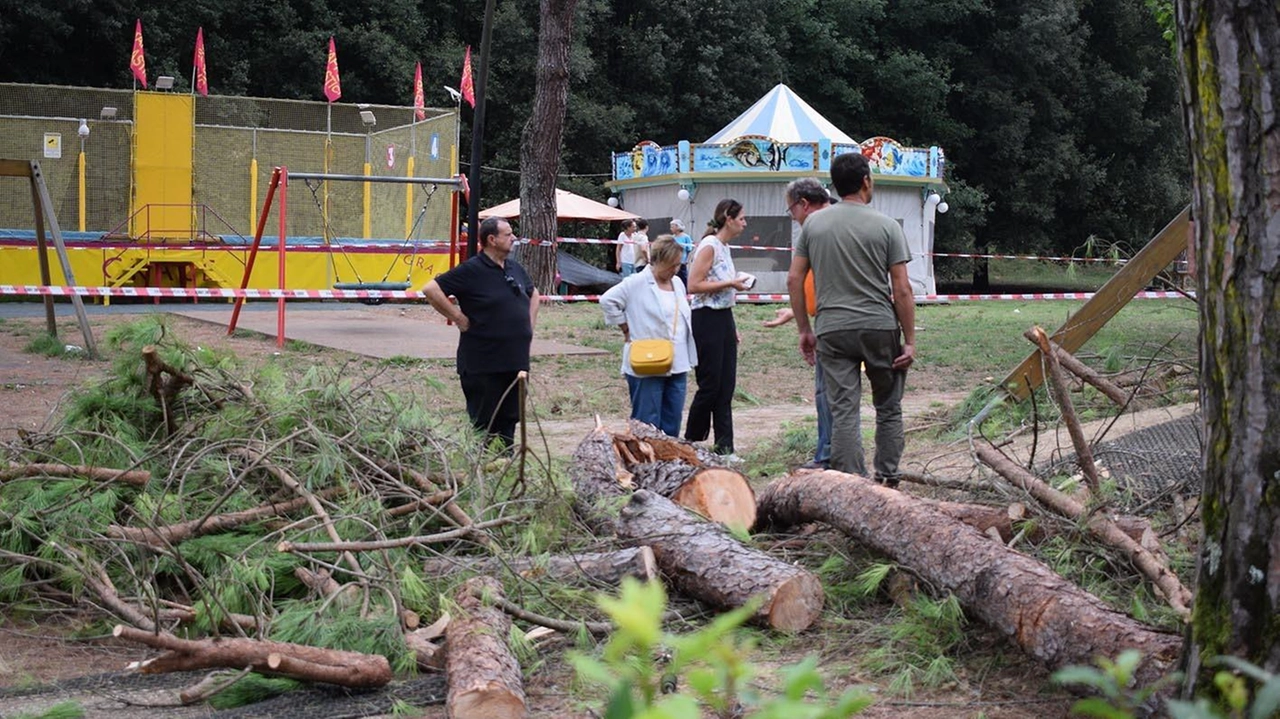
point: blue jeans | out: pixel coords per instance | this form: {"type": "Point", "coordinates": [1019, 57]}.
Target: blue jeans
{"type": "Point", "coordinates": [658, 401]}
{"type": "Point", "coordinates": [823, 453]}
{"type": "Point", "coordinates": [628, 269]}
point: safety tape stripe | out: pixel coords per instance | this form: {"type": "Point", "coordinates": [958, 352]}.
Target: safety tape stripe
{"type": "Point", "coordinates": [218, 292]}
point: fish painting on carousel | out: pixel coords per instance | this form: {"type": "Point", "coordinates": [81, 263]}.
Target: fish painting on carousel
{"type": "Point", "coordinates": [747, 153]}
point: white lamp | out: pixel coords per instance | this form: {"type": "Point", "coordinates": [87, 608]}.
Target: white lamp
{"type": "Point", "coordinates": [683, 194]}
{"type": "Point", "coordinates": [933, 199]}
{"type": "Point", "coordinates": [84, 128]}
{"type": "Point", "coordinates": [943, 207]}
{"type": "Point", "coordinates": [613, 202]}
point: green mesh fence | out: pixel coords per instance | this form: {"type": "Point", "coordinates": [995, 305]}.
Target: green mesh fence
{"type": "Point", "coordinates": [230, 133]}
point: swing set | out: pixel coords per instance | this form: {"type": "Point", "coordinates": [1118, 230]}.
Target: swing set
{"type": "Point", "coordinates": [371, 292]}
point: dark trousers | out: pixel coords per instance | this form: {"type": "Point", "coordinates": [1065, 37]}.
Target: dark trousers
{"type": "Point", "coordinates": [716, 337]}
{"type": "Point", "coordinates": [489, 410]}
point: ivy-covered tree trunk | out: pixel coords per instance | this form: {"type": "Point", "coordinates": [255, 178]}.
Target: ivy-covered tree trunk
{"type": "Point", "coordinates": [1229, 51]}
{"type": "Point", "coordinates": [540, 144]}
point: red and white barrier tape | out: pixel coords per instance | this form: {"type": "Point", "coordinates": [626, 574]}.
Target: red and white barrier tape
{"type": "Point", "coordinates": [265, 294]}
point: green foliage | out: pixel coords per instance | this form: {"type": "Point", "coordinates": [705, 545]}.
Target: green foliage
{"type": "Point", "coordinates": [1113, 682]}
{"type": "Point", "coordinates": [62, 710]}
{"type": "Point", "coordinates": [335, 627]}
{"type": "Point", "coordinates": [916, 646]}
{"type": "Point", "coordinates": [252, 688]}
{"type": "Point", "coordinates": [642, 667]}
{"type": "Point", "coordinates": [51, 346]}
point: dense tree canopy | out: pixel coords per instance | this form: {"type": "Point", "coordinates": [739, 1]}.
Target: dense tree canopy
{"type": "Point", "coordinates": [1059, 117]}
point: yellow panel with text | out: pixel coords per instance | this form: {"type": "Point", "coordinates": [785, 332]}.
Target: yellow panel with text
{"type": "Point", "coordinates": [164, 133]}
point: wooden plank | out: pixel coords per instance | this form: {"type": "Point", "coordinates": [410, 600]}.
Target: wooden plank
{"type": "Point", "coordinates": [1106, 302]}
{"type": "Point", "coordinates": [42, 253]}
{"type": "Point", "coordinates": [15, 168]}
{"type": "Point", "coordinates": [45, 202]}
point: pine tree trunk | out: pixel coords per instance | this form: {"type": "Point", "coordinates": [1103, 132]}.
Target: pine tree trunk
{"type": "Point", "coordinates": [1229, 52]}
{"type": "Point", "coordinates": [1052, 619]}
{"type": "Point", "coordinates": [540, 143]}
{"type": "Point", "coordinates": [484, 676]}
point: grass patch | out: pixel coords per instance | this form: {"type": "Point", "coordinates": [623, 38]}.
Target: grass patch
{"type": "Point", "coordinates": [50, 346]}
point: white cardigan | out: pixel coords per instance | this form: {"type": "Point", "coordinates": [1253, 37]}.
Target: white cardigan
{"type": "Point", "coordinates": [635, 301]}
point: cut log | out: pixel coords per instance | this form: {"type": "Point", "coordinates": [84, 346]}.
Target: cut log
{"type": "Point", "coordinates": [703, 560]}
{"type": "Point", "coordinates": [598, 482]}
{"type": "Point", "coordinates": [348, 669]}
{"type": "Point", "coordinates": [597, 567]}
{"type": "Point", "coordinates": [484, 677]}
{"type": "Point", "coordinates": [1050, 618]}
{"type": "Point", "coordinates": [1101, 526]}
{"type": "Point", "coordinates": [719, 494]}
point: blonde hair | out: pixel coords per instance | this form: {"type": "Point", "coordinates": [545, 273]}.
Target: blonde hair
{"type": "Point", "coordinates": [664, 249]}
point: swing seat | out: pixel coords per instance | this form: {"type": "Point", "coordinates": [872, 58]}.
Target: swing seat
{"type": "Point", "coordinates": [386, 286]}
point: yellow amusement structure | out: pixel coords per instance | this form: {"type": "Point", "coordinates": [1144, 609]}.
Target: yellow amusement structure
{"type": "Point", "coordinates": [164, 189]}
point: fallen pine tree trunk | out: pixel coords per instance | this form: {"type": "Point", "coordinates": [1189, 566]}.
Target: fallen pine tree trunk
{"type": "Point", "coordinates": [703, 560]}
{"type": "Point", "coordinates": [1050, 618]}
{"type": "Point", "coordinates": [348, 669]}
{"type": "Point", "coordinates": [484, 676]}
{"type": "Point", "coordinates": [603, 567]}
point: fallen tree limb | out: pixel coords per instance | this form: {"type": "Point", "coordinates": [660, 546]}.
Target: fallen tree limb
{"type": "Point", "coordinates": [171, 534]}
{"type": "Point", "coordinates": [136, 477]}
{"type": "Point", "coordinates": [1079, 369]}
{"type": "Point", "coordinates": [1058, 387]}
{"type": "Point", "coordinates": [348, 669]}
{"type": "Point", "coordinates": [484, 676]}
{"type": "Point", "coordinates": [381, 544]}
{"type": "Point", "coordinates": [1048, 617]}
{"type": "Point", "coordinates": [702, 560]}
{"type": "Point", "coordinates": [985, 518]}
{"type": "Point", "coordinates": [1166, 582]}
{"type": "Point", "coordinates": [565, 626]}
{"type": "Point", "coordinates": [603, 567]}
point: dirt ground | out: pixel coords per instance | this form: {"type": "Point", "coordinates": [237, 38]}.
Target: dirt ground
{"type": "Point", "coordinates": [32, 388]}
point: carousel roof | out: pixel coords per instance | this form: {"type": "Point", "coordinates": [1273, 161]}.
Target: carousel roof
{"type": "Point", "coordinates": [782, 116]}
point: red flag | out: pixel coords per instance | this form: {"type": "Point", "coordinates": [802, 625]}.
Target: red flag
{"type": "Point", "coordinates": [137, 60]}
{"type": "Point", "coordinates": [468, 87]}
{"type": "Point", "coordinates": [201, 78]}
{"type": "Point", "coordinates": [419, 100]}
{"type": "Point", "coordinates": [332, 87]}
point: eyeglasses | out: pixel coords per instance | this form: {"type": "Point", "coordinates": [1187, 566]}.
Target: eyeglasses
{"type": "Point", "coordinates": [792, 207]}
{"type": "Point", "coordinates": [515, 285]}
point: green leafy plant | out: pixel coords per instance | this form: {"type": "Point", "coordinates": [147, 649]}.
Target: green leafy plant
{"type": "Point", "coordinates": [642, 668]}
{"type": "Point", "coordinates": [1113, 681]}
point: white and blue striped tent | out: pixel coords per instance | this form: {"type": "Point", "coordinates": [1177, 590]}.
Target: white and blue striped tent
{"type": "Point", "coordinates": [782, 116]}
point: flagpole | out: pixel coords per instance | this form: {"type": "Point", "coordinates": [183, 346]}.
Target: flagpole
{"type": "Point", "coordinates": [477, 132]}
{"type": "Point", "coordinates": [324, 229]}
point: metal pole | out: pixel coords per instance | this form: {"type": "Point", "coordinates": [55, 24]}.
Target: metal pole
{"type": "Point", "coordinates": [477, 131]}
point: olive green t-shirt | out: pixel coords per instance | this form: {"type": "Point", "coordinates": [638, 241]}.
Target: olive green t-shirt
{"type": "Point", "coordinates": [851, 248]}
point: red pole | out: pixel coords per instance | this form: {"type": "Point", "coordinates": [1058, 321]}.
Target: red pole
{"type": "Point", "coordinates": [284, 213]}
{"type": "Point", "coordinates": [253, 249]}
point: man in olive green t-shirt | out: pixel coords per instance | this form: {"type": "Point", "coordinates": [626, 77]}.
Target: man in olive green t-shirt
{"type": "Point", "coordinates": [859, 259]}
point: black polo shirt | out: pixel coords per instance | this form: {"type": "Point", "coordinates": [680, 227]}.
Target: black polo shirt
{"type": "Point", "coordinates": [496, 301]}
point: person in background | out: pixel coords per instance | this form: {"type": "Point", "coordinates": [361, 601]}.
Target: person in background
{"type": "Point", "coordinates": [641, 238]}
{"type": "Point", "coordinates": [714, 282]}
{"type": "Point", "coordinates": [652, 304]}
{"type": "Point", "coordinates": [865, 316]}
{"type": "Point", "coordinates": [804, 197]}
{"type": "Point", "coordinates": [496, 311]}
{"type": "Point", "coordinates": [683, 239]}
{"type": "Point", "coordinates": [624, 253]}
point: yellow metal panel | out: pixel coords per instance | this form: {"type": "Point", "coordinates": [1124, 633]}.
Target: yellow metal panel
{"type": "Point", "coordinates": [165, 132]}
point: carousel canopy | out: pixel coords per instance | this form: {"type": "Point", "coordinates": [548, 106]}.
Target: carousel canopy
{"type": "Point", "coordinates": [568, 207]}
{"type": "Point", "coordinates": [782, 116]}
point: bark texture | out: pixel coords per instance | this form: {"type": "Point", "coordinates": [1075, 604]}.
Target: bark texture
{"type": "Point", "coordinates": [348, 669]}
{"type": "Point", "coordinates": [484, 677]}
{"type": "Point", "coordinates": [1230, 58]}
{"type": "Point", "coordinates": [1050, 618]}
{"type": "Point", "coordinates": [702, 560]}
{"type": "Point", "coordinates": [541, 140]}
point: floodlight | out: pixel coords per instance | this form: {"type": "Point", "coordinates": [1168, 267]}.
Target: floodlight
{"type": "Point", "coordinates": [164, 82]}
{"type": "Point", "coordinates": [366, 116]}
{"type": "Point", "coordinates": [457, 96]}
{"type": "Point", "coordinates": [84, 128]}
{"type": "Point", "coordinates": [108, 113]}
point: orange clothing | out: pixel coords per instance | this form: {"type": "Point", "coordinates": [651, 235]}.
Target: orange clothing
{"type": "Point", "coordinates": [810, 296]}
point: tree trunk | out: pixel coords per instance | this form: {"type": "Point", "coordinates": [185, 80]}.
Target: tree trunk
{"type": "Point", "coordinates": [597, 567]}
{"type": "Point", "coordinates": [702, 560]}
{"type": "Point", "coordinates": [1052, 619]}
{"type": "Point", "coordinates": [1229, 52]}
{"type": "Point", "coordinates": [334, 666]}
{"type": "Point", "coordinates": [719, 494]}
{"type": "Point", "coordinates": [540, 143]}
{"type": "Point", "coordinates": [484, 677]}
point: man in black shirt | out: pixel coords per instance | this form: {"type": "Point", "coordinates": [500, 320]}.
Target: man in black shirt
{"type": "Point", "coordinates": [495, 314]}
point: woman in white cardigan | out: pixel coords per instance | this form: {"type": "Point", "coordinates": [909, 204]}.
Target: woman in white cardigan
{"type": "Point", "coordinates": [652, 304]}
